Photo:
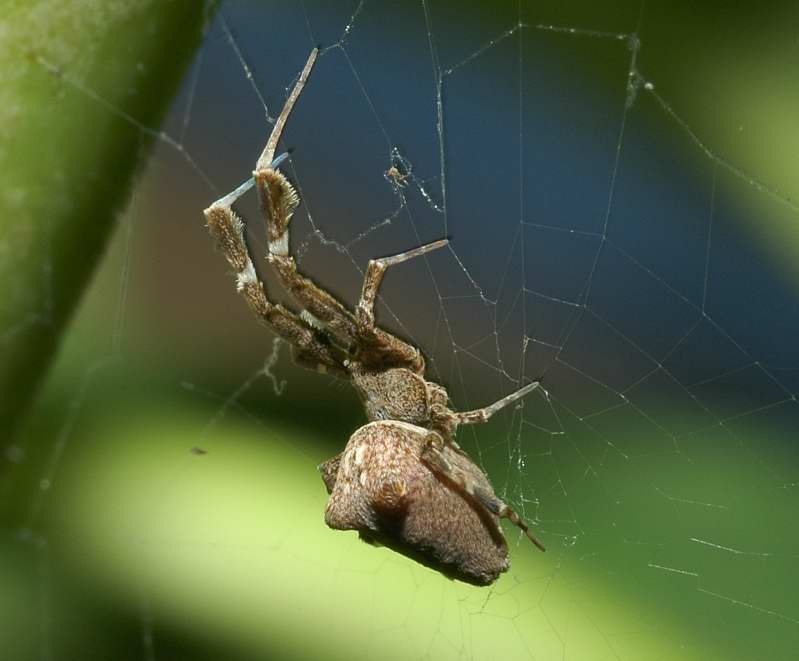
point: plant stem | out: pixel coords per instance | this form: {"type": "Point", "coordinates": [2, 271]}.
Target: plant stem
{"type": "Point", "coordinates": [81, 82]}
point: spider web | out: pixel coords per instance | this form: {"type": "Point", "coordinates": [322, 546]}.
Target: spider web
{"type": "Point", "coordinates": [612, 232]}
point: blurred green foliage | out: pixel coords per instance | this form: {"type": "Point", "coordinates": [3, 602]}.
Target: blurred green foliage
{"type": "Point", "coordinates": [77, 81]}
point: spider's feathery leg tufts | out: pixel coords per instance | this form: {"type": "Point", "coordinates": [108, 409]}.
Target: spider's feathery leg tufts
{"type": "Point", "coordinates": [228, 230]}
{"type": "Point", "coordinates": [278, 201]}
{"type": "Point", "coordinates": [278, 197]}
{"type": "Point", "coordinates": [322, 309]}
{"type": "Point", "coordinates": [482, 415]}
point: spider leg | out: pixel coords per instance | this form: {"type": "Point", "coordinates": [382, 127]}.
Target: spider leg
{"type": "Point", "coordinates": [365, 312]}
{"type": "Point", "coordinates": [278, 200]}
{"type": "Point", "coordinates": [388, 345]}
{"type": "Point", "coordinates": [268, 154]}
{"type": "Point", "coordinates": [322, 310]}
{"type": "Point", "coordinates": [482, 415]}
{"type": "Point", "coordinates": [433, 456]}
{"type": "Point", "coordinates": [228, 230]}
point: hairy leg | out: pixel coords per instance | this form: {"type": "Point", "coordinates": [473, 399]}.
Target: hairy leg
{"type": "Point", "coordinates": [278, 200]}
{"type": "Point", "coordinates": [227, 228]}
{"type": "Point", "coordinates": [475, 486]}
{"type": "Point", "coordinates": [383, 343]}
{"type": "Point", "coordinates": [482, 415]}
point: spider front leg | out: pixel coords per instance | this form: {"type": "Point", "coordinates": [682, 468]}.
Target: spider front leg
{"type": "Point", "coordinates": [473, 483]}
{"type": "Point", "coordinates": [228, 230]}
{"type": "Point", "coordinates": [278, 201]}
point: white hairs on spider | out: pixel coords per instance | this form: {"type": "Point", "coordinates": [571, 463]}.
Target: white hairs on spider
{"type": "Point", "coordinates": [280, 246]}
{"type": "Point", "coordinates": [312, 321]}
{"type": "Point", "coordinates": [246, 276]}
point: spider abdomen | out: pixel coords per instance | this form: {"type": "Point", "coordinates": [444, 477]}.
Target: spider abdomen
{"type": "Point", "coordinates": [381, 486]}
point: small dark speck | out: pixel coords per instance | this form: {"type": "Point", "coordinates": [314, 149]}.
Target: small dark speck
{"type": "Point", "coordinates": [198, 451]}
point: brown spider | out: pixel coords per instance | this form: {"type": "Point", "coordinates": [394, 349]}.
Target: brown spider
{"type": "Point", "coordinates": [398, 178]}
{"type": "Point", "coordinates": [402, 480]}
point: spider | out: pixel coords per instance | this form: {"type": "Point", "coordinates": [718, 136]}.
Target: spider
{"type": "Point", "coordinates": [396, 177]}
{"type": "Point", "coordinates": [402, 480]}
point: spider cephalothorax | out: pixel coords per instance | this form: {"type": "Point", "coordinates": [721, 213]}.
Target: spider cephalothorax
{"type": "Point", "coordinates": [401, 480]}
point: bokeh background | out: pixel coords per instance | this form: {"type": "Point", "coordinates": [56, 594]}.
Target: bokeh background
{"type": "Point", "coordinates": [618, 182]}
